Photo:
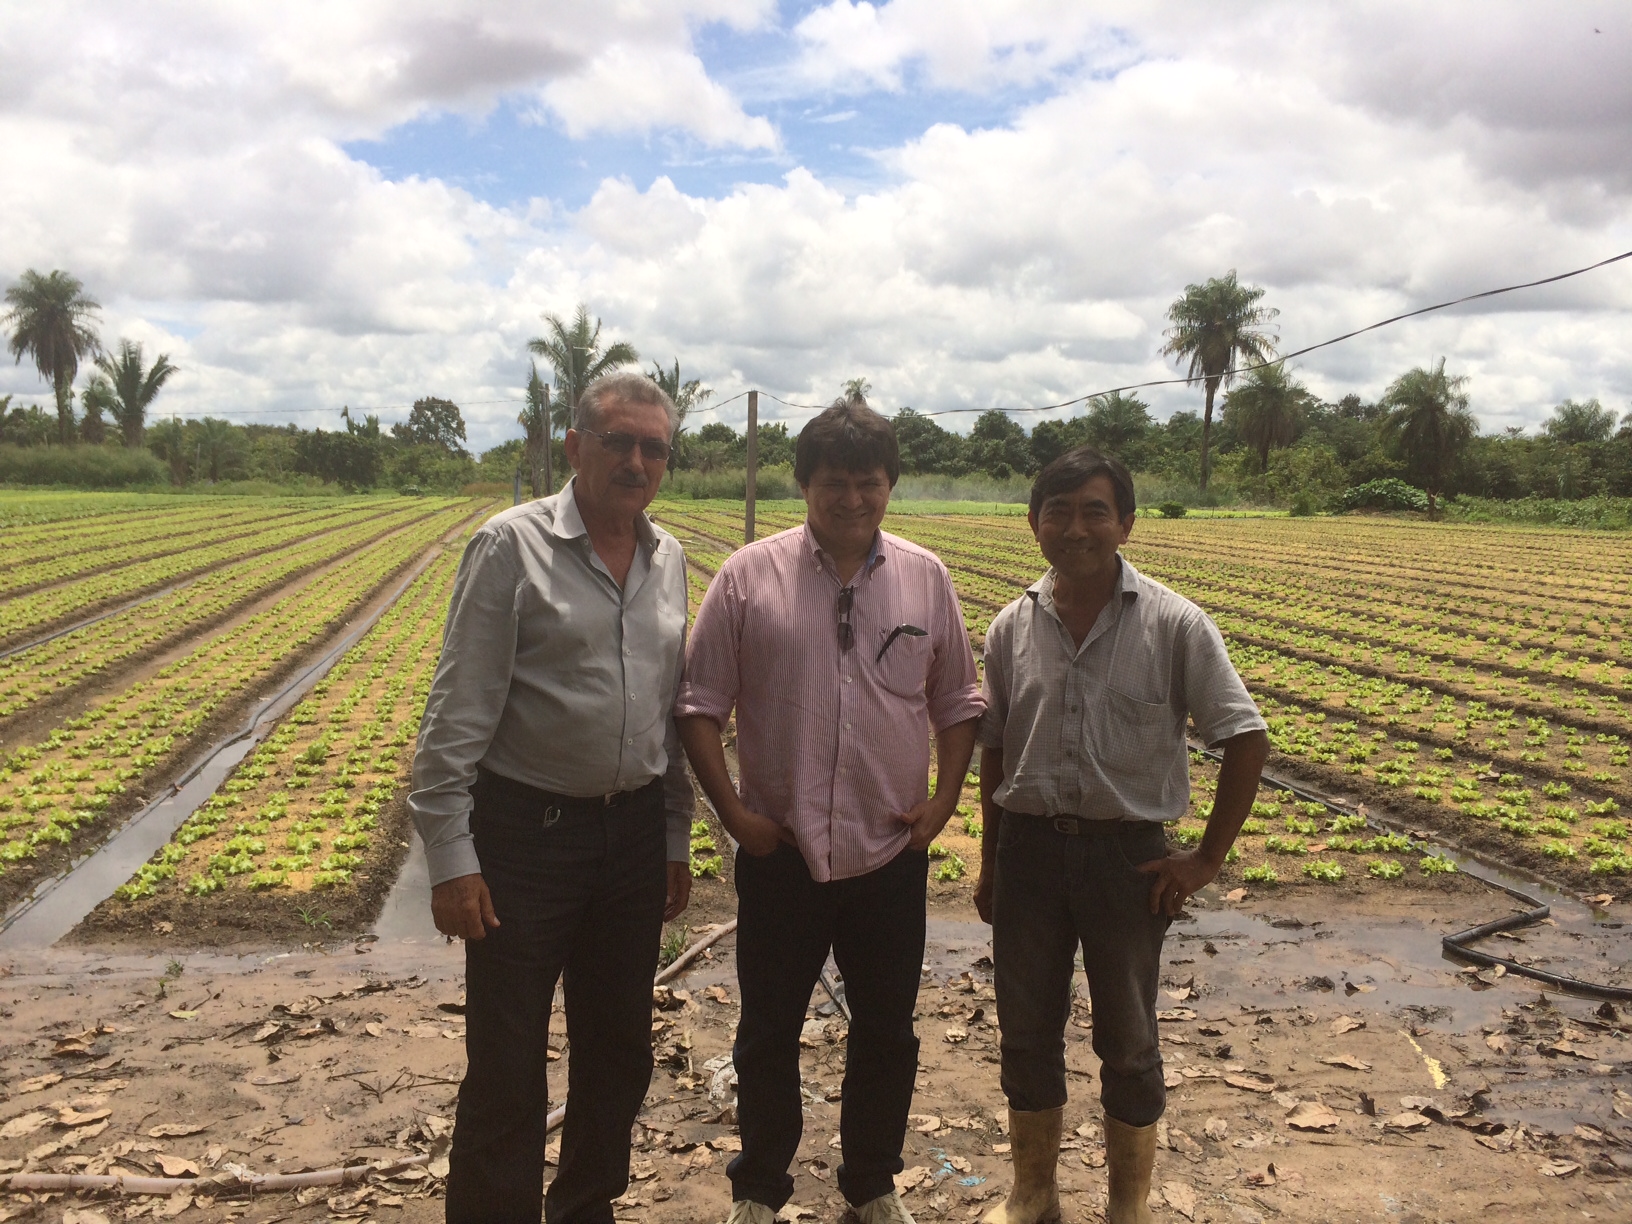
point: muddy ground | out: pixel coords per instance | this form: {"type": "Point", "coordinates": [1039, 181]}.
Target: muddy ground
{"type": "Point", "coordinates": [1450, 1098]}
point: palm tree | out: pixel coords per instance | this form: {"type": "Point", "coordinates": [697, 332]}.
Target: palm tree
{"type": "Point", "coordinates": [134, 389]}
{"type": "Point", "coordinates": [535, 419]}
{"type": "Point", "coordinates": [1116, 421]}
{"type": "Point", "coordinates": [1214, 325]}
{"type": "Point", "coordinates": [1576, 421]}
{"type": "Point", "coordinates": [1429, 424]}
{"type": "Point", "coordinates": [1267, 410]}
{"type": "Point", "coordinates": [574, 351]}
{"type": "Point", "coordinates": [49, 320]}
{"type": "Point", "coordinates": [98, 398]}
{"type": "Point", "coordinates": [686, 395]}
{"type": "Point", "coordinates": [856, 389]}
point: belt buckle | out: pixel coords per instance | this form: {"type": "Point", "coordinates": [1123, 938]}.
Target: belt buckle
{"type": "Point", "coordinates": [1066, 824]}
{"type": "Point", "coordinates": [552, 814]}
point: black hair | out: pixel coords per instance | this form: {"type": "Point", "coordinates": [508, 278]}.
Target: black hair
{"type": "Point", "coordinates": [1076, 468]}
{"type": "Point", "coordinates": [850, 436]}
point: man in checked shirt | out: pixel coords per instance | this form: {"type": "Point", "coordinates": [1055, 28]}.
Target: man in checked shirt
{"type": "Point", "coordinates": [1090, 677]}
{"type": "Point", "coordinates": [841, 648]}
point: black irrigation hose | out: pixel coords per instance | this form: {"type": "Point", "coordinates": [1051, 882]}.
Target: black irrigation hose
{"type": "Point", "coordinates": [1457, 945]}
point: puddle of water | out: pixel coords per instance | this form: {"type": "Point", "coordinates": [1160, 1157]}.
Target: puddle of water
{"type": "Point", "coordinates": [406, 916]}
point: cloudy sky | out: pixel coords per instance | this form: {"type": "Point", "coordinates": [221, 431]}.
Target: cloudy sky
{"type": "Point", "coordinates": [970, 203]}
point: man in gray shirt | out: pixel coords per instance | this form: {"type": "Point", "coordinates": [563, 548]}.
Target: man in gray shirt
{"type": "Point", "coordinates": [556, 812]}
{"type": "Point", "coordinates": [1090, 678]}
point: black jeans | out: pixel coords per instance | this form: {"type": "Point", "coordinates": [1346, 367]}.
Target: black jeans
{"type": "Point", "coordinates": [583, 894]}
{"type": "Point", "coordinates": [1054, 892]}
{"type": "Point", "coordinates": [786, 923]}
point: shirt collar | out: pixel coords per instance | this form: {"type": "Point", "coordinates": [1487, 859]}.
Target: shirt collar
{"type": "Point", "coordinates": [1127, 584]}
{"type": "Point", "coordinates": [569, 524]}
{"type": "Point", "coordinates": [875, 555]}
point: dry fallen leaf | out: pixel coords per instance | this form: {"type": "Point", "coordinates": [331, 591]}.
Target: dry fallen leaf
{"type": "Point", "coordinates": [72, 1117]}
{"type": "Point", "coordinates": [1312, 1116]}
{"type": "Point", "coordinates": [1346, 1060]}
{"type": "Point", "coordinates": [1172, 1077]}
{"type": "Point", "coordinates": [1560, 1168]}
{"type": "Point", "coordinates": [1236, 894]}
{"type": "Point", "coordinates": [1250, 1083]}
{"type": "Point", "coordinates": [910, 1179]}
{"type": "Point", "coordinates": [176, 1130]}
{"type": "Point", "coordinates": [176, 1166]}
{"type": "Point", "coordinates": [374, 1028]}
{"type": "Point", "coordinates": [1498, 1042]}
{"type": "Point", "coordinates": [182, 1013]}
{"type": "Point", "coordinates": [1216, 1129]}
{"type": "Point", "coordinates": [39, 1082]}
{"type": "Point", "coordinates": [1181, 1198]}
{"type": "Point", "coordinates": [24, 1124]}
{"type": "Point", "coordinates": [1346, 1024]}
{"type": "Point", "coordinates": [269, 1029]}
{"type": "Point", "coordinates": [177, 1203]}
{"type": "Point", "coordinates": [925, 1124]}
{"type": "Point", "coordinates": [83, 1215]}
{"type": "Point", "coordinates": [1094, 1158]}
{"type": "Point", "coordinates": [1410, 1120]}
{"type": "Point", "coordinates": [956, 1036]}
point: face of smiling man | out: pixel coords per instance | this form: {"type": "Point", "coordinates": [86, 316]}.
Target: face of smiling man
{"type": "Point", "coordinates": [1079, 532]}
{"type": "Point", "coordinates": [845, 508]}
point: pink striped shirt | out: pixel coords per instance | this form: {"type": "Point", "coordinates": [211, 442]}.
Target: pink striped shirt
{"type": "Point", "coordinates": [832, 744]}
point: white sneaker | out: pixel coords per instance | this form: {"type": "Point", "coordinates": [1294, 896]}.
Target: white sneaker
{"type": "Point", "coordinates": [885, 1209]}
{"type": "Point", "coordinates": [746, 1211]}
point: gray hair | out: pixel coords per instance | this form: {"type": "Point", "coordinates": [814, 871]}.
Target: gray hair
{"type": "Point", "coordinates": [627, 387]}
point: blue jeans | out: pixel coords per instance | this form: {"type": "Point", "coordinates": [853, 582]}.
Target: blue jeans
{"type": "Point", "coordinates": [1056, 891]}
{"type": "Point", "coordinates": [786, 922]}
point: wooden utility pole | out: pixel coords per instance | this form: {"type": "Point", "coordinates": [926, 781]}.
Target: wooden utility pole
{"type": "Point", "coordinates": [753, 467]}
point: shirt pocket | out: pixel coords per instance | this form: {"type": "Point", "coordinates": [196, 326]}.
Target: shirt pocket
{"type": "Point", "coordinates": [904, 669]}
{"type": "Point", "coordinates": [1135, 738]}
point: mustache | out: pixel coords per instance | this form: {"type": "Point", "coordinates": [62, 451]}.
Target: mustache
{"type": "Point", "coordinates": [629, 480]}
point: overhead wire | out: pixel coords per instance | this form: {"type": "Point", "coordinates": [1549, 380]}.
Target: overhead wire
{"type": "Point", "coordinates": [1185, 380]}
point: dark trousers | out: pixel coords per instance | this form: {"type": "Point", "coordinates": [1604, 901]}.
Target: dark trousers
{"type": "Point", "coordinates": [786, 924]}
{"type": "Point", "coordinates": [584, 895]}
{"type": "Point", "coordinates": [1054, 892]}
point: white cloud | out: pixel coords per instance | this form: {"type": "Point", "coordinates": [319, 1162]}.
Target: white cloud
{"type": "Point", "coordinates": [188, 164]}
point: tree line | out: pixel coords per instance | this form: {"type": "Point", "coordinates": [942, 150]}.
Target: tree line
{"type": "Point", "coordinates": [1261, 436]}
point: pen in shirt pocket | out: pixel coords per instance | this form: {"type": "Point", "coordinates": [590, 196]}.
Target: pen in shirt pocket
{"type": "Point", "coordinates": [909, 630]}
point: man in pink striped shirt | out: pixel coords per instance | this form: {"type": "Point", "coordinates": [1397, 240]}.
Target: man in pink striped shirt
{"type": "Point", "coordinates": [841, 649]}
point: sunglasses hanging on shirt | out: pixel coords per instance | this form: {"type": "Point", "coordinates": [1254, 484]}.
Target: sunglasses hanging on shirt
{"type": "Point", "coordinates": [847, 632]}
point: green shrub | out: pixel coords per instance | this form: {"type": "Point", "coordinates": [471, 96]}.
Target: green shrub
{"type": "Point", "coordinates": [80, 467]}
{"type": "Point", "coordinates": [1386, 494]}
{"type": "Point", "coordinates": [1171, 509]}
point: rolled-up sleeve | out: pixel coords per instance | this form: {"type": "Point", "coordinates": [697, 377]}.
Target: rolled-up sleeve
{"type": "Point", "coordinates": [952, 688]}
{"type": "Point", "coordinates": [1214, 692]}
{"type": "Point", "coordinates": [467, 699]}
{"type": "Point", "coordinates": [711, 682]}
{"type": "Point", "coordinates": [995, 687]}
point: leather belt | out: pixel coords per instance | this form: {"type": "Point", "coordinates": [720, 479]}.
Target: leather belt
{"type": "Point", "coordinates": [556, 805]}
{"type": "Point", "coordinates": [1075, 826]}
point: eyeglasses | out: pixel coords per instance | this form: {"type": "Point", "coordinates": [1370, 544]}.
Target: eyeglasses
{"type": "Point", "coordinates": [654, 449]}
{"type": "Point", "coordinates": [847, 632]}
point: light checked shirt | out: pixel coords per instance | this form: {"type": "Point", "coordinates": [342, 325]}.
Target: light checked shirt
{"type": "Point", "coordinates": [553, 676]}
{"type": "Point", "coordinates": [832, 744]}
{"type": "Point", "coordinates": [1098, 731]}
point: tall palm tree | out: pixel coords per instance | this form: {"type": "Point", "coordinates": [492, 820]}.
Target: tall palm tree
{"type": "Point", "coordinates": [1116, 421]}
{"type": "Point", "coordinates": [1429, 424]}
{"type": "Point", "coordinates": [98, 398]}
{"type": "Point", "coordinates": [50, 319]}
{"type": "Point", "coordinates": [687, 394]}
{"type": "Point", "coordinates": [1267, 410]}
{"type": "Point", "coordinates": [535, 419]}
{"type": "Point", "coordinates": [1215, 325]}
{"type": "Point", "coordinates": [856, 389]}
{"type": "Point", "coordinates": [134, 389]}
{"type": "Point", "coordinates": [574, 352]}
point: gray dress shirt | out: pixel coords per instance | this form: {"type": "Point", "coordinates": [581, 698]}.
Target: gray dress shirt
{"type": "Point", "coordinates": [1098, 730]}
{"type": "Point", "coordinates": [554, 676]}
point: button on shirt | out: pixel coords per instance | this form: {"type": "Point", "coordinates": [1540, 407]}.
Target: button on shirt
{"type": "Point", "coordinates": [832, 744]}
{"type": "Point", "coordinates": [1098, 731]}
{"type": "Point", "coordinates": [553, 676]}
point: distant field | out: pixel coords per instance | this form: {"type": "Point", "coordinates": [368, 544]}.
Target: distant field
{"type": "Point", "coordinates": [1469, 678]}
